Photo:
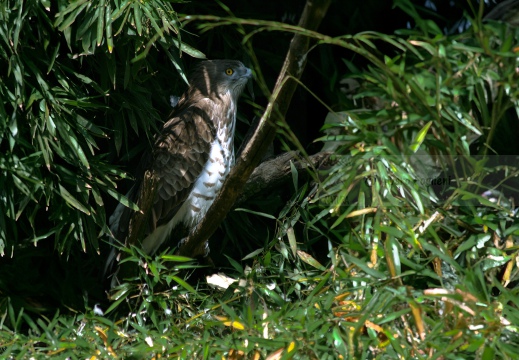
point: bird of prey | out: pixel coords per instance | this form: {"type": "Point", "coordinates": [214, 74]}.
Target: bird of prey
{"type": "Point", "coordinates": [506, 11]}
{"type": "Point", "coordinates": [190, 158]}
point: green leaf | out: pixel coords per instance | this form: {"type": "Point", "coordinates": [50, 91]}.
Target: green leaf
{"type": "Point", "coordinates": [253, 254]}
{"type": "Point", "coordinates": [364, 267]}
{"type": "Point", "coordinates": [108, 29]}
{"type": "Point", "coordinates": [137, 16]}
{"type": "Point", "coordinates": [191, 51]}
{"type": "Point", "coordinates": [268, 216]}
{"type": "Point", "coordinates": [420, 137]}
{"type": "Point", "coordinates": [72, 200]}
{"type": "Point", "coordinates": [65, 24]}
{"type": "Point", "coordinates": [176, 258]}
{"type": "Point", "coordinates": [292, 241]}
{"type": "Point", "coordinates": [100, 21]}
{"type": "Point", "coordinates": [184, 284]}
{"type": "Point", "coordinates": [307, 258]}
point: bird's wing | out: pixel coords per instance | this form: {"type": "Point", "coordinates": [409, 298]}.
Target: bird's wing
{"type": "Point", "coordinates": [179, 157]}
{"type": "Point", "coordinates": [176, 160]}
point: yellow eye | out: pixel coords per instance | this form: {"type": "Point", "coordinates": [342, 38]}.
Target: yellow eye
{"type": "Point", "coordinates": [229, 71]}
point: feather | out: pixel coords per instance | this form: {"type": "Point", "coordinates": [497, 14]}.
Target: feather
{"type": "Point", "coordinates": [190, 157]}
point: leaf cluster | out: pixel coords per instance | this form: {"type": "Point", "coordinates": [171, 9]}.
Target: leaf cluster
{"type": "Point", "coordinates": [405, 248]}
{"type": "Point", "coordinates": [78, 83]}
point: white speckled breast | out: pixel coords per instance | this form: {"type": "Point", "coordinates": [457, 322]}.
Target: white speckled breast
{"type": "Point", "coordinates": [210, 182]}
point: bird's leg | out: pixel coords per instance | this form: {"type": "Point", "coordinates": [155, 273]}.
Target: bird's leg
{"type": "Point", "coordinates": [201, 253]}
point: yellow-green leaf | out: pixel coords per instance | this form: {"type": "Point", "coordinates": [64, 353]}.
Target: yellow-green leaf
{"type": "Point", "coordinates": [420, 137]}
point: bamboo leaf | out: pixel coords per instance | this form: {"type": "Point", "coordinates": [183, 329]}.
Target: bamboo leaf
{"type": "Point", "coordinates": [67, 196]}
{"type": "Point", "coordinates": [100, 13]}
{"type": "Point", "coordinates": [420, 137]}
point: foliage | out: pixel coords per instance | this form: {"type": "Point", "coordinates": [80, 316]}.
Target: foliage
{"type": "Point", "coordinates": [433, 110]}
{"type": "Point", "coordinates": [61, 104]}
{"type": "Point", "coordinates": [405, 248]}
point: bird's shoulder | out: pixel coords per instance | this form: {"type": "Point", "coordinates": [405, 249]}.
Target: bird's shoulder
{"type": "Point", "coordinates": [190, 128]}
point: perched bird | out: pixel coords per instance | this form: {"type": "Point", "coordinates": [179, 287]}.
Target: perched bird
{"type": "Point", "coordinates": [189, 160]}
{"type": "Point", "coordinates": [506, 11]}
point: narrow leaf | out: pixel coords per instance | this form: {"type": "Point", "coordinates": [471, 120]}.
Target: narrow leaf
{"type": "Point", "coordinates": [72, 200]}
{"type": "Point", "coordinates": [420, 137]}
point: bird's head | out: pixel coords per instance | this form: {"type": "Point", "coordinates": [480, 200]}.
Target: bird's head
{"type": "Point", "coordinates": [218, 77]}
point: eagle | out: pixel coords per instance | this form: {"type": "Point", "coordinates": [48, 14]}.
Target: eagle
{"type": "Point", "coordinates": [189, 160]}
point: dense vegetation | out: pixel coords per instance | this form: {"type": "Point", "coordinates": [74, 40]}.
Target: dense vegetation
{"type": "Point", "coordinates": [402, 246]}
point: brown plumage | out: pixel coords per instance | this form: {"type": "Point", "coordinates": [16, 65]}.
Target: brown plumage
{"type": "Point", "coordinates": [190, 157]}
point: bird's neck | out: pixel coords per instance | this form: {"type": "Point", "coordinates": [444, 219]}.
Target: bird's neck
{"type": "Point", "coordinates": [221, 110]}
{"type": "Point", "coordinates": [225, 122]}
{"type": "Point", "coordinates": [218, 108]}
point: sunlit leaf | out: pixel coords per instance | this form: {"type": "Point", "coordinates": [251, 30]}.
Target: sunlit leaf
{"type": "Point", "coordinates": [72, 200]}
{"type": "Point", "coordinates": [420, 137]}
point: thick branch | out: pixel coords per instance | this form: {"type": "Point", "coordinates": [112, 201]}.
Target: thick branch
{"type": "Point", "coordinates": [251, 155]}
{"type": "Point", "coordinates": [277, 171]}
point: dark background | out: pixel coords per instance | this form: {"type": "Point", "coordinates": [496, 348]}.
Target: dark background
{"type": "Point", "coordinates": [43, 278]}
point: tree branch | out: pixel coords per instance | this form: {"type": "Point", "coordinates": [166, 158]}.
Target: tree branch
{"type": "Point", "coordinates": [264, 134]}
{"type": "Point", "coordinates": [277, 171]}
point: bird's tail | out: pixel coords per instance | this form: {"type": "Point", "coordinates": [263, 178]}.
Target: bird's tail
{"type": "Point", "coordinates": [119, 223]}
